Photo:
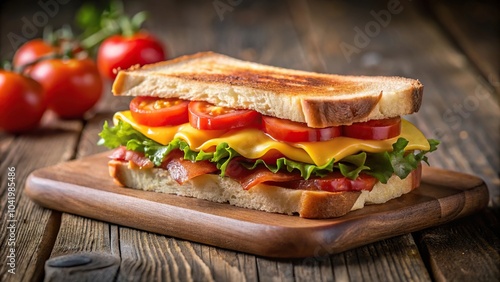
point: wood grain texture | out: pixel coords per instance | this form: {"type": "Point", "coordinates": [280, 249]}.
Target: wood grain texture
{"type": "Point", "coordinates": [90, 192]}
{"type": "Point", "coordinates": [474, 238]}
{"type": "Point", "coordinates": [81, 236]}
{"type": "Point", "coordinates": [377, 262]}
{"type": "Point", "coordinates": [36, 227]}
{"type": "Point", "coordinates": [474, 27]}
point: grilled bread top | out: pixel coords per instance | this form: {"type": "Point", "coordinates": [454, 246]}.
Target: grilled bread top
{"type": "Point", "coordinates": [320, 100]}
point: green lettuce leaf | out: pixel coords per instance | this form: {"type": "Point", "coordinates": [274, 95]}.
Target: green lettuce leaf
{"type": "Point", "coordinates": [379, 165]}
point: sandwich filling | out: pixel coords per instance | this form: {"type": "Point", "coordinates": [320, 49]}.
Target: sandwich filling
{"type": "Point", "coordinates": [196, 138]}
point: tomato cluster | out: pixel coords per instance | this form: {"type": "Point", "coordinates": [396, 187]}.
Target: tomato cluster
{"type": "Point", "coordinates": [153, 111]}
{"type": "Point", "coordinates": [67, 86]}
{"type": "Point", "coordinates": [57, 72]}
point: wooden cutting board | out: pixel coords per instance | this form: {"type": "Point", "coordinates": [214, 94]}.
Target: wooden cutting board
{"type": "Point", "coordinates": [83, 187]}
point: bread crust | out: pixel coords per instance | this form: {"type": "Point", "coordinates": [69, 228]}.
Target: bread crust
{"type": "Point", "coordinates": [308, 204]}
{"type": "Point", "coordinates": [320, 100]}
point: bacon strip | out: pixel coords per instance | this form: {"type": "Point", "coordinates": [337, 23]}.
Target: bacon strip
{"type": "Point", "coordinates": [182, 170]}
{"type": "Point", "coordinates": [122, 154]}
{"type": "Point", "coordinates": [250, 178]}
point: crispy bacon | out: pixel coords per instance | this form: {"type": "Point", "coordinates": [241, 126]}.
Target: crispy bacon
{"type": "Point", "coordinates": [182, 170]}
{"type": "Point", "coordinates": [122, 154]}
{"type": "Point", "coordinates": [250, 178]}
{"type": "Point", "coordinates": [333, 182]}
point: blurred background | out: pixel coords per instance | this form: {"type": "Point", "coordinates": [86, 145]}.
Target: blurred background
{"type": "Point", "coordinates": [312, 26]}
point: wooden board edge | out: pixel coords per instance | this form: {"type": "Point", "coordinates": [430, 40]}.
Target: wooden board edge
{"type": "Point", "coordinates": [285, 242]}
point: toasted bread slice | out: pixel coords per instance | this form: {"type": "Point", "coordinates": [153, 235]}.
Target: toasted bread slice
{"type": "Point", "coordinates": [308, 204]}
{"type": "Point", "coordinates": [320, 100]}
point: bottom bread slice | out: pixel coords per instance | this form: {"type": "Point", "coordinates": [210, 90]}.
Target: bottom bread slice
{"type": "Point", "coordinates": [308, 204]}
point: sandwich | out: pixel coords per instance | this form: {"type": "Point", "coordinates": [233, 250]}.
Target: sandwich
{"type": "Point", "coordinates": [285, 141]}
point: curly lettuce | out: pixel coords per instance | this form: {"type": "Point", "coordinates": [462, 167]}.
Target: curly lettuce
{"type": "Point", "coordinates": [379, 165]}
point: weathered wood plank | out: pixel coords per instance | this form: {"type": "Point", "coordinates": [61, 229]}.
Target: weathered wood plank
{"type": "Point", "coordinates": [82, 236]}
{"type": "Point", "coordinates": [474, 26]}
{"type": "Point", "coordinates": [275, 270]}
{"type": "Point", "coordinates": [464, 250]}
{"type": "Point", "coordinates": [36, 227]}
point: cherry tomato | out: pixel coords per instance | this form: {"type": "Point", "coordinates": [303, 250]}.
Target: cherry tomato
{"type": "Point", "coordinates": [374, 129]}
{"type": "Point", "coordinates": [205, 116]}
{"type": "Point", "coordinates": [36, 48]}
{"type": "Point", "coordinates": [31, 51]}
{"type": "Point", "coordinates": [152, 111]}
{"type": "Point", "coordinates": [120, 52]}
{"type": "Point", "coordinates": [22, 102]}
{"type": "Point", "coordinates": [72, 86]}
{"type": "Point", "coordinates": [290, 131]}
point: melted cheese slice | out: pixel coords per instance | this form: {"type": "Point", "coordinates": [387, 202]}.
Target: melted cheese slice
{"type": "Point", "coordinates": [253, 143]}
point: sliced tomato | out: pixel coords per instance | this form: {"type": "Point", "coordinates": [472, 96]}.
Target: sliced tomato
{"type": "Point", "coordinates": [152, 111]}
{"type": "Point", "coordinates": [374, 129]}
{"type": "Point", "coordinates": [290, 131]}
{"type": "Point", "coordinates": [206, 116]}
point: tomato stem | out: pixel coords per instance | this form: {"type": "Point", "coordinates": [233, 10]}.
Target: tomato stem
{"type": "Point", "coordinates": [6, 65]}
{"type": "Point", "coordinates": [114, 21]}
{"type": "Point", "coordinates": [126, 26]}
{"type": "Point", "coordinates": [96, 38]}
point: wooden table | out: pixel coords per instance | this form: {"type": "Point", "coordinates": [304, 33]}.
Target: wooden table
{"type": "Point", "coordinates": [451, 49]}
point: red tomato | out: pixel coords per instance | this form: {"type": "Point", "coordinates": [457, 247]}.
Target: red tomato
{"type": "Point", "coordinates": [73, 86]}
{"type": "Point", "coordinates": [205, 116]}
{"type": "Point", "coordinates": [36, 48]}
{"type": "Point", "coordinates": [374, 129]}
{"type": "Point", "coordinates": [336, 182]}
{"type": "Point", "coordinates": [120, 52]}
{"type": "Point", "coordinates": [290, 131]}
{"type": "Point", "coordinates": [152, 111]}
{"type": "Point", "coordinates": [22, 102]}
{"type": "Point", "coordinates": [31, 51]}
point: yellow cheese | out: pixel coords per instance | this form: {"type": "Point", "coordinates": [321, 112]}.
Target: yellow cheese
{"type": "Point", "coordinates": [252, 143]}
{"type": "Point", "coordinates": [162, 135]}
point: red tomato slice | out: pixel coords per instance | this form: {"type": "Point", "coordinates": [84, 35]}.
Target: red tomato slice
{"type": "Point", "coordinates": [374, 129]}
{"type": "Point", "coordinates": [290, 131]}
{"type": "Point", "coordinates": [205, 116]}
{"type": "Point", "coordinates": [333, 182]}
{"type": "Point", "coordinates": [152, 111]}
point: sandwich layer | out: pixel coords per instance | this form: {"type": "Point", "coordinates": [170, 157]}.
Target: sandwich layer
{"type": "Point", "coordinates": [320, 100]}
{"type": "Point", "coordinates": [253, 143]}
{"type": "Point", "coordinates": [308, 204]}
